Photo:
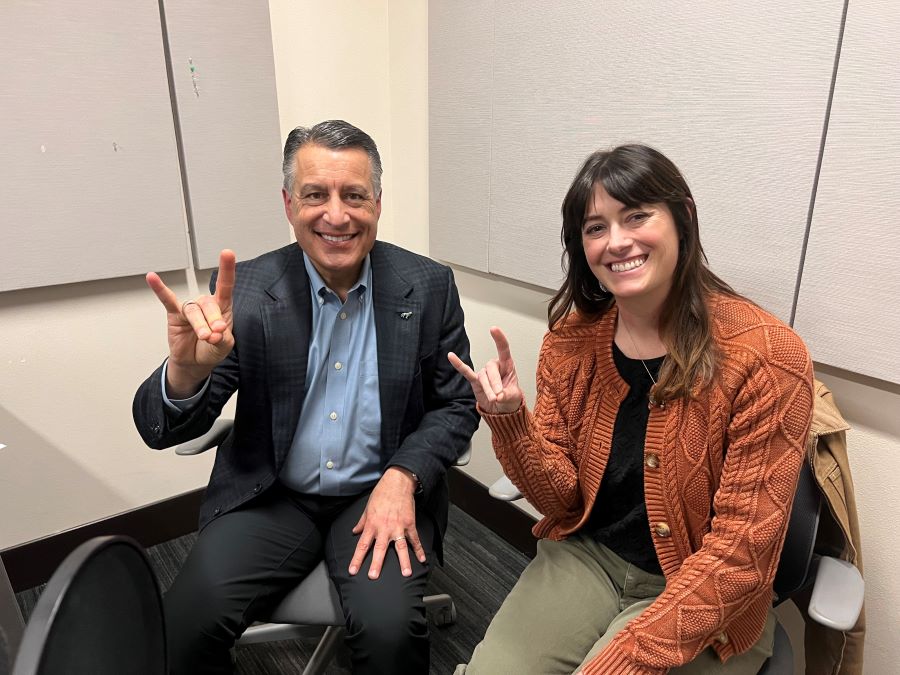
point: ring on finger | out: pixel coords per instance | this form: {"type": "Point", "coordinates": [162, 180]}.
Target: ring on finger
{"type": "Point", "coordinates": [186, 303]}
{"type": "Point", "coordinates": [400, 538]}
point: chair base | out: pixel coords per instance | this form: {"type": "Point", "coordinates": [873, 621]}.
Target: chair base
{"type": "Point", "coordinates": [441, 605]}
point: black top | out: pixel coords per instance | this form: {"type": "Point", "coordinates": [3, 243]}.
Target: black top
{"type": "Point", "coordinates": [619, 518]}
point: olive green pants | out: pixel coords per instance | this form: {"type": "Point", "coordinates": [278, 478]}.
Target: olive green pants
{"type": "Point", "coordinates": [568, 605]}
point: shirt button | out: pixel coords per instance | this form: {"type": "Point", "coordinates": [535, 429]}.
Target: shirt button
{"type": "Point", "coordinates": [662, 529]}
{"type": "Point", "coordinates": [257, 488]}
{"type": "Point", "coordinates": [343, 315]}
{"type": "Point", "coordinates": [217, 511]}
{"type": "Point", "coordinates": [321, 300]}
{"type": "Point", "coordinates": [338, 365]}
{"type": "Point", "coordinates": [329, 464]}
{"type": "Point", "coordinates": [332, 416]}
{"type": "Point", "coordinates": [652, 461]}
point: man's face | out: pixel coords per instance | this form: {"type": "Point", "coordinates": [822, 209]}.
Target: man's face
{"type": "Point", "coordinates": [334, 211]}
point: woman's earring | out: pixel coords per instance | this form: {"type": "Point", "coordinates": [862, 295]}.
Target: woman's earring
{"type": "Point", "coordinates": [602, 287]}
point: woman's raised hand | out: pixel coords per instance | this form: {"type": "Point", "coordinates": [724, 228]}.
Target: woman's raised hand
{"type": "Point", "coordinates": [199, 331]}
{"type": "Point", "coordinates": [496, 386]}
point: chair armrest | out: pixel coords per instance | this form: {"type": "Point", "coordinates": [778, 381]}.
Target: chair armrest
{"type": "Point", "coordinates": [504, 490]}
{"type": "Point", "coordinates": [837, 595]}
{"type": "Point", "coordinates": [464, 458]}
{"type": "Point", "coordinates": [211, 439]}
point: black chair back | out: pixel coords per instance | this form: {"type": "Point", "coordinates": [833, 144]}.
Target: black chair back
{"type": "Point", "coordinates": [795, 567]}
{"type": "Point", "coordinates": [4, 653]}
{"type": "Point", "coordinates": [100, 614]}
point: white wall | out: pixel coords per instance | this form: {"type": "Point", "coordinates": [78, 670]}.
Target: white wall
{"type": "Point", "coordinates": [71, 356]}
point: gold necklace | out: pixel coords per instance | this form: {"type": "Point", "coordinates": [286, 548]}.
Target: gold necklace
{"type": "Point", "coordinates": [651, 400]}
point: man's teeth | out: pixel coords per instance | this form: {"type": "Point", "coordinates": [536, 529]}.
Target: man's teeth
{"type": "Point", "coordinates": [343, 237]}
{"type": "Point", "coordinates": [628, 264]}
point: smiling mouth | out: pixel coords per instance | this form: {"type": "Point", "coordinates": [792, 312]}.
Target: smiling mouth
{"type": "Point", "coordinates": [336, 239]}
{"type": "Point", "coordinates": [627, 265]}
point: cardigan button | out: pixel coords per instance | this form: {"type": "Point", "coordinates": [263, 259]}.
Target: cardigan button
{"type": "Point", "coordinates": [722, 639]}
{"type": "Point", "coordinates": [652, 460]}
{"type": "Point", "coordinates": [663, 530]}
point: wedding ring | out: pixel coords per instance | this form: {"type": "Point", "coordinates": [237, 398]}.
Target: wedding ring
{"type": "Point", "coordinates": [403, 538]}
{"type": "Point", "coordinates": [186, 303]}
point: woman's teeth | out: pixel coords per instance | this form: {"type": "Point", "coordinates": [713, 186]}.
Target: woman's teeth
{"type": "Point", "coordinates": [628, 264]}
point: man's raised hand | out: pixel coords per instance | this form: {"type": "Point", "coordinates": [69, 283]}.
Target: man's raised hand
{"type": "Point", "coordinates": [199, 330]}
{"type": "Point", "coordinates": [496, 386]}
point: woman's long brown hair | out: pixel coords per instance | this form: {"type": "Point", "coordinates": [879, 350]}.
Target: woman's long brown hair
{"type": "Point", "coordinates": [636, 175]}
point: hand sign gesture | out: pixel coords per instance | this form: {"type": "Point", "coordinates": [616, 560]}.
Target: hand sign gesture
{"type": "Point", "coordinates": [496, 386]}
{"type": "Point", "coordinates": [199, 330]}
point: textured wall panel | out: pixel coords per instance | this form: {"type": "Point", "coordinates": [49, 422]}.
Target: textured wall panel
{"type": "Point", "coordinates": [459, 134]}
{"type": "Point", "coordinates": [224, 77]}
{"type": "Point", "coordinates": [847, 309]}
{"type": "Point", "coordinates": [89, 175]}
{"type": "Point", "coordinates": [735, 93]}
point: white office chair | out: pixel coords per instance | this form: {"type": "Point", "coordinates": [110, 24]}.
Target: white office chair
{"type": "Point", "coordinates": [313, 608]}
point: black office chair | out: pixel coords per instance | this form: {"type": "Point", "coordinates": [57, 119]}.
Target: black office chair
{"type": "Point", "coordinates": [100, 614]}
{"type": "Point", "coordinates": [4, 654]}
{"type": "Point", "coordinates": [838, 587]}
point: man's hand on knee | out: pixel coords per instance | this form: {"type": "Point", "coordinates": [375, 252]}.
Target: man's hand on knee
{"type": "Point", "coordinates": [389, 518]}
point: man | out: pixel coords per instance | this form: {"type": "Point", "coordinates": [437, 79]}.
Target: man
{"type": "Point", "coordinates": [348, 415]}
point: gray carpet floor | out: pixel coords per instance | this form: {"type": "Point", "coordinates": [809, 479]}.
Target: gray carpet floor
{"type": "Point", "coordinates": [479, 570]}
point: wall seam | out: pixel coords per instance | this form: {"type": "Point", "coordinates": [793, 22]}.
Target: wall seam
{"type": "Point", "coordinates": [179, 145]}
{"type": "Point", "coordinates": [815, 185]}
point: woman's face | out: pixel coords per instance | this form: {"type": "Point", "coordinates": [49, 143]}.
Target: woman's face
{"type": "Point", "coordinates": [632, 251]}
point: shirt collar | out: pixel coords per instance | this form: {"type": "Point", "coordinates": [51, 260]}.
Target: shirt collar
{"type": "Point", "coordinates": [320, 288]}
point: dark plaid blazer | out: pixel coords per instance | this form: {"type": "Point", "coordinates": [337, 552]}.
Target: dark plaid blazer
{"type": "Point", "coordinates": [427, 409]}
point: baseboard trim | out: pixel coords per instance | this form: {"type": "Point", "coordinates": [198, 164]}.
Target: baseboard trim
{"type": "Point", "coordinates": [504, 519]}
{"type": "Point", "coordinates": [33, 563]}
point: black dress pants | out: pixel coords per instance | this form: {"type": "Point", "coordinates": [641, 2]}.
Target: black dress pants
{"type": "Point", "coordinates": [247, 560]}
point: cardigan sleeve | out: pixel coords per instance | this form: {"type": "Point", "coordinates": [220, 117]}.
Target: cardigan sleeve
{"type": "Point", "coordinates": [731, 574]}
{"type": "Point", "coordinates": [535, 450]}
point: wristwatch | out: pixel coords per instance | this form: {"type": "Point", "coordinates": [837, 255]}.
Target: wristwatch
{"type": "Point", "coordinates": [419, 489]}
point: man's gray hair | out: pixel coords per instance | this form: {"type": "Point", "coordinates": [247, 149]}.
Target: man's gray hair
{"type": "Point", "coordinates": [335, 135]}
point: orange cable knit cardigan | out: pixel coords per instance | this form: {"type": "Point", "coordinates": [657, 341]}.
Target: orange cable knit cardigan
{"type": "Point", "coordinates": [719, 476]}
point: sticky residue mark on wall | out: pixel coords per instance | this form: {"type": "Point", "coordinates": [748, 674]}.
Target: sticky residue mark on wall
{"type": "Point", "coordinates": [195, 77]}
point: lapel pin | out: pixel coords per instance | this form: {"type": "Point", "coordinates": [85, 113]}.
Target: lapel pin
{"type": "Point", "coordinates": [405, 315]}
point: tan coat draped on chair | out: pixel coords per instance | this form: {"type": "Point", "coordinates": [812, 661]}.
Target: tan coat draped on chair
{"type": "Point", "coordinates": [828, 651]}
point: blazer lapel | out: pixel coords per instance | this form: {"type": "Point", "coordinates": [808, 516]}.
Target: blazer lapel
{"type": "Point", "coordinates": [287, 324]}
{"type": "Point", "coordinates": [397, 323]}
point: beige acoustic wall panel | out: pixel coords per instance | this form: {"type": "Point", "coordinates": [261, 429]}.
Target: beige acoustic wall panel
{"type": "Point", "coordinates": [459, 133]}
{"type": "Point", "coordinates": [224, 79]}
{"type": "Point", "coordinates": [847, 307]}
{"type": "Point", "coordinates": [89, 174]}
{"type": "Point", "coordinates": [734, 93]}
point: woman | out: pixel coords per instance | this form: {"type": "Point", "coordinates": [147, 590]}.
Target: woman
{"type": "Point", "coordinates": [663, 449]}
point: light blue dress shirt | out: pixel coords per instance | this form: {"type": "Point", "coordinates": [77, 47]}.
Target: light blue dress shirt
{"type": "Point", "coordinates": [336, 446]}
